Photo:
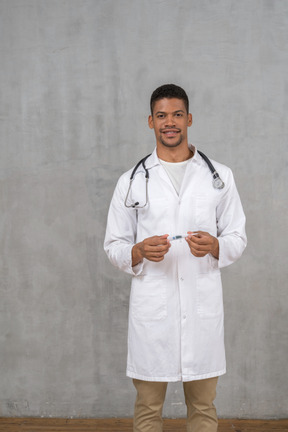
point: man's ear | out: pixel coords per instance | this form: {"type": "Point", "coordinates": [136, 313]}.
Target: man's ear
{"type": "Point", "coordinates": [190, 120]}
{"type": "Point", "coordinates": [150, 122]}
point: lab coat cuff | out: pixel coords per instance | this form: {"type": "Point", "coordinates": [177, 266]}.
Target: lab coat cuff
{"type": "Point", "coordinates": [137, 269]}
{"type": "Point", "coordinates": [224, 253]}
{"type": "Point", "coordinates": [221, 259]}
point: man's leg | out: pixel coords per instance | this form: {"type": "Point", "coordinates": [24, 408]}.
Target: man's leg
{"type": "Point", "coordinates": [148, 406]}
{"type": "Point", "coordinates": [201, 412]}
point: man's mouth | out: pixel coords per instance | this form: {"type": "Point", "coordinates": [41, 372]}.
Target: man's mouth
{"type": "Point", "coordinates": [170, 133]}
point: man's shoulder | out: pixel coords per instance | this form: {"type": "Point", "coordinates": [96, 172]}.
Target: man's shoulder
{"type": "Point", "coordinates": [224, 171]}
{"type": "Point", "coordinates": [220, 165]}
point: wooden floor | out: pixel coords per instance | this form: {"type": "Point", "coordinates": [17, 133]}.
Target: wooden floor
{"type": "Point", "coordinates": [125, 425]}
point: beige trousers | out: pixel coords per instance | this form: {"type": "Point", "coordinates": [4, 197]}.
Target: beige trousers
{"type": "Point", "coordinates": [199, 397]}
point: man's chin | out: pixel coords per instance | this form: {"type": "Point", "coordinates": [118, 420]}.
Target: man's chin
{"type": "Point", "coordinates": [171, 144]}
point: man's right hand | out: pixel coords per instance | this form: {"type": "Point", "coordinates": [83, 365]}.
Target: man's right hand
{"type": "Point", "coordinates": [152, 248]}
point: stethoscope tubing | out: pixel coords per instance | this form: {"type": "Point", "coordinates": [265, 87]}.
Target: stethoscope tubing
{"type": "Point", "coordinates": [142, 161]}
{"type": "Point", "coordinates": [217, 181]}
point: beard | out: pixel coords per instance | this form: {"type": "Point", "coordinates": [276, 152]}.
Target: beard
{"type": "Point", "coordinates": [171, 145]}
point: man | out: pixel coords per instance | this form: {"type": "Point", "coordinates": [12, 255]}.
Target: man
{"type": "Point", "coordinates": [176, 309]}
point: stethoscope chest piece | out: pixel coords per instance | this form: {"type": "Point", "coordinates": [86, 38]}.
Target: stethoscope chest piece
{"type": "Point", "coordinates": [217, 182]}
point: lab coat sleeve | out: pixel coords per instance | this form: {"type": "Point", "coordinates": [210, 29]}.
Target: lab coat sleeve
{"type": "Point", "coordinates": [121, 232]}
{"type": "Point", "coordinates": [230, 224]}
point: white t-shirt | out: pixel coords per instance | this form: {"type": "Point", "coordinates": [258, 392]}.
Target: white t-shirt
{"type": "Point", "coordinates": [175, 171]}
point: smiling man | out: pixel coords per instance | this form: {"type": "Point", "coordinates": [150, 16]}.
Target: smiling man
{"type": "Point", "coordinates": [170, 123]}
{"type": "Point", "coordinates": [173, 231]}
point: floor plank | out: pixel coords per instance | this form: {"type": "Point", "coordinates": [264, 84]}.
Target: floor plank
{"type": "Point", "coordinates": [125, 425]}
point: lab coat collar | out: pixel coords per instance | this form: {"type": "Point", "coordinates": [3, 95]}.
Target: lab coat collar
{"type": "Point", "coordinates": [153, 160]}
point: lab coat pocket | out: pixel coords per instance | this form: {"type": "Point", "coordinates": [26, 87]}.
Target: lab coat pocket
{"type": "Point", "coordinates": [148, 299]}
{"type": "Point", "coordinates": [209, 295]}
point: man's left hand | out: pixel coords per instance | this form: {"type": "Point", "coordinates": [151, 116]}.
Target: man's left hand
{"type": "Point", "coordinates": [202, 243]}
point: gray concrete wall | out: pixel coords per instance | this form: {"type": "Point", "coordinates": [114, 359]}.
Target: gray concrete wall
{"type": "Point", "coordinates": [76, 77]}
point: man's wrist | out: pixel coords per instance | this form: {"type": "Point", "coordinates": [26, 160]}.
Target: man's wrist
{"type": "Point", "coordinates": [215, 250]}
{"type": "Point", "coordinates": [136, 254]}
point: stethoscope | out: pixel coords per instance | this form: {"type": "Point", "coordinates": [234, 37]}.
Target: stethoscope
{"type": "Point", "coordinates": [217, 182]}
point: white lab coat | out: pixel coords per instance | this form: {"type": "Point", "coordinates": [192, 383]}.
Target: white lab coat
{"type": "Point", "coordinates": [176, 308]}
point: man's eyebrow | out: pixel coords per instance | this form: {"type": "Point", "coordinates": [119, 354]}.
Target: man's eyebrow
{"type": "Point", "coordinates": [174, 112]}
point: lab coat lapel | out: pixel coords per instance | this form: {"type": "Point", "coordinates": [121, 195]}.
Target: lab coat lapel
{"type": "Point", "coordinates": [153, 161]}
{"type": "Point", "coordinates": [190, 177]}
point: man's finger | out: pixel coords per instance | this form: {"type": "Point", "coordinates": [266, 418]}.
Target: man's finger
{"type": "Point", "coordinates": [199, 240]}
{"type": "Point", "coordinates": [157, 240]}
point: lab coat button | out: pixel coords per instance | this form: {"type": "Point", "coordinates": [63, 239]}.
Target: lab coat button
{"type": "Point", "coordinates": [182, 279]}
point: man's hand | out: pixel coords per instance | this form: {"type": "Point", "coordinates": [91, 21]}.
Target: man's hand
{"type": "Point", "coordinates": [202, 243]}
{"type": "Point", "coordinates": [152, 248]}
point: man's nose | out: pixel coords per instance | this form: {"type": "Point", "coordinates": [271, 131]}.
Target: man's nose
{"type": "Point", "coordinates": [170, 121]}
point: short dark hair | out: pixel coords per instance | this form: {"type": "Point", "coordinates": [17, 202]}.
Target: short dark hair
{"type": "Point", "coordinates": [169, 91]}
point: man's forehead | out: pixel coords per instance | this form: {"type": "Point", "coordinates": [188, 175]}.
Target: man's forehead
{"type": "Point", "coordinates": [169, 105]}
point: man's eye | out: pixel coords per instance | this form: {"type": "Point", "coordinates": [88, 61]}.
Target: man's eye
{"type": "Point", "coordinates": [179, 115]}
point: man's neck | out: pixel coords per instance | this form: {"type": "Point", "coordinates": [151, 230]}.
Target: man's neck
{"type": "Point", "coordinates": [174, 154]}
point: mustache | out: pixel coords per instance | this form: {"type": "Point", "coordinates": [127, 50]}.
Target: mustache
{"type": "Point", "coordinates": [170, 129]}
